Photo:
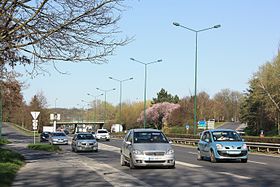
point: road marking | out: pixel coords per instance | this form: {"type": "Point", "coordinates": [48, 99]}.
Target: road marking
{"type": "Point", "coordinates": [193, 153]}
{"type": "Point", "coordinates": [236, 176]}
{"type": "Point", "coordinates": [188, 164]}
{"type": "Point", "coordinates": [262, 163]}
{"type": "Point", "coordinates": [112, 175]}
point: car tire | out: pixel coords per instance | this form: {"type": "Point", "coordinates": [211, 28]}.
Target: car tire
{"type": "Point", "coordinates": [244, 160]}
{"type": "Point", "coordinates": [131, 163]}
{"type": "Point", "coordinates": [212, 157]}
{"type": "Point", "coordinates": [172, 167]}
{"type": "Point", "coordinates": [96, 150]}
{"type": "Point", "coordinates": [123, 163]}
{"type": "Point", "coordinates": [199, 157]}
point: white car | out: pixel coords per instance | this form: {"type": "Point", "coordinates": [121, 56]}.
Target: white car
{"type": "Point", "coordinates": [102, 134]}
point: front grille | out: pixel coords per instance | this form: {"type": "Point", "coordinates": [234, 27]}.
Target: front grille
{"type": "Point", "coordinates": [155, 161]}
{"type": "Point", "coordinates": [225, 154]}
{"type": "Point", "coordinates": [154, 153]}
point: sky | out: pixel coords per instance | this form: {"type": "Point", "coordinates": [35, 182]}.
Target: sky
{"type": "Point", "coordinates": [228, 56]}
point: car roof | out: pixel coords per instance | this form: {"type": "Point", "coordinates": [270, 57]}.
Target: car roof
{"type": "Point", "coordinates": [146, 130]}
{"type": "Point", "coordinates": [83, 133]}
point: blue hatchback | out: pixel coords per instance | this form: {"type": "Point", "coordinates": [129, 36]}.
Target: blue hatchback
{"type": "Point", "coordinates": [222, 144]}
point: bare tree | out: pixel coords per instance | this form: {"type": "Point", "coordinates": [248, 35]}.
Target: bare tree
{"type": "Point", "coordinates": [36, 32]}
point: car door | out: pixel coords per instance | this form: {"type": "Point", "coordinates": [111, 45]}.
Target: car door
{"type": "Point", "coordinates": [202, 144]}
{"type": "Point", "coordinates": [208, 142]}
{"type": "Point", "coordinates": [127, 144]}
{"type": "Point", "coordinates": [73, 144]}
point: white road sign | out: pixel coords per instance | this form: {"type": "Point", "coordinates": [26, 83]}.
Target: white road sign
{"type": "Point", "coordinates": [35, 114]}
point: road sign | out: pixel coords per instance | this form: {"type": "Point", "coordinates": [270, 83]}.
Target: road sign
{"type": "Point", "coordinates": [35, 124]}
{"type": "Point", "coordinates": [35, 114]}
{"type": "Point", "coordinates": [187, 126]}
{"type": "Point", "coordinates": [202, 125]}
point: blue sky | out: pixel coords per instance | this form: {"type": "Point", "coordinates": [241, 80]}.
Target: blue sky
{"type": "Point", "coordinates": [249, 36]}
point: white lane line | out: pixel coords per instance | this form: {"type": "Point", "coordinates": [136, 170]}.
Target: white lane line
{"type": "Point", "coordinates": [193, 153]}
{"type": "Point", "coordinates": [188, 164]}
{"type": "Point", "coordinates": [262, 163]}
{"type": "Point", "coordinates": [236, 176]}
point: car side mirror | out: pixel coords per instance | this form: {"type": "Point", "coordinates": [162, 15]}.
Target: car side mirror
{"type": "Point", "coordinates": [128, 142]}
{"type": "Point", "coordinates": [170, 141]}
{"type": "Point", "coordinates": [207, 140]}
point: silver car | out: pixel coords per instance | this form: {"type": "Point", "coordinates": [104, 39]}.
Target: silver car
{"type": "Point", "coordinates": [147, 147]}
{"type": "Point", "coordinates": [58, 138]}
{"type": "Point", "coordinates": [84, 142]}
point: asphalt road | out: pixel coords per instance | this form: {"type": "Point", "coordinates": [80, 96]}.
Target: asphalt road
{"type": "Point", "coordinates": [103, 169]}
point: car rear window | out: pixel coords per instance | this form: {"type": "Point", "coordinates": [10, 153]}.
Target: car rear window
{"type": "Point", "coordinates": [149, 137]}
{"type": "Point", "coordinates": [102, 131]}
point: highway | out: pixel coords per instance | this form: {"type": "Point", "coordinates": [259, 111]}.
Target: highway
{"type": "Point", "coordinates": [103, 169]}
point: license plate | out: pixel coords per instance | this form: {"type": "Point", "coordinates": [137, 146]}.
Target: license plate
{"type": "Point", "coordinates": [234, 152]}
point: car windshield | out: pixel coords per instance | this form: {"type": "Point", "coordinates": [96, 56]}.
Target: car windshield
{"type": "Point", "coordinates": [85, 137]}
{"type": "Point", "coordinates": [149, 137]}
{"type": "Point", "coordinates": [58, 134]}
{"type": "Point", "coordinates": [226, 136]}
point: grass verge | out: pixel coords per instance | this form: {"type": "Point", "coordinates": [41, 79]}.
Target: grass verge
{"type": "Point", "coordinates": [44, 147]}
{"type": "Point", "coordinates": [10, 163]}
{"type": "Point", "coordinates": [4, 141]}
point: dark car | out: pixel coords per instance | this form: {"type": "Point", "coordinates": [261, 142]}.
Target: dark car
{"type": "Point", "coordinates": [44, 137]}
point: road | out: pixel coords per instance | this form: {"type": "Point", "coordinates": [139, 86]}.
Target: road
{"type": "Point", "coordinates": [103, 169]}
{"type": "Point", "coordinates": [230, 125]}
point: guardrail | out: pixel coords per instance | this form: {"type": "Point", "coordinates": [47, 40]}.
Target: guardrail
{"type": "Point", "coordinates": [253, 146]}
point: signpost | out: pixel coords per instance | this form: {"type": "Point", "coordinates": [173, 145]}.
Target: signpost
{"type": "Point", "coordinates": [54, 118]}
{"type": "Point", "coordinates": [35, 115]}
{"type": "Point", "coordinates": [202, 125]}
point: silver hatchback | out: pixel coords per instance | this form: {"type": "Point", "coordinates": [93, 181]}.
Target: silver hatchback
{"type": "Point", "coordinates": [84, 142]}
{"type": "Point", "coordinates": [146, 147]}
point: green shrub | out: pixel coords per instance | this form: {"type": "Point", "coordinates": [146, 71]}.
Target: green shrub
{"type": "Point", "coordinates": [44, 147]}
{"type": "Point", "coordinates": [4, 141]}
{"type": "Point", "coordinates": [10, 163]}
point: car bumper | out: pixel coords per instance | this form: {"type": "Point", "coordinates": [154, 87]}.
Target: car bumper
{"type": "Point", "coordinates": [143, 160]}
{"type": "Point", "coordinates": [102, 138]}
{"type": "Point", "coordinates": [231, 154]}
{"type": "Point", "coordinates": [87, 148]}
{"type": "Point", "coordinates": [59, 142]}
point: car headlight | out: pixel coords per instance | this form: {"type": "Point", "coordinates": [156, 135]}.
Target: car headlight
{"type": "Point", "coordinates": [95, 143]}
{"type": "Point", "coordinates": [79, 143]}
{"type": "Point", "coordinates": [244, 146]}
{"type": "Point", "coordinates": [170, 152]}
{"type": "Point", "coordinates": [219, 146]}
{"type": "Point", "coordinates": [137, 152]}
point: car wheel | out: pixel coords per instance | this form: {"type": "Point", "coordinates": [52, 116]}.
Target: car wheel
{"type": "Point", "coordinates": [199, 157]}
{"type": "Point", "coordinates": [172, 167]}
{"type": "Point", "coordinates": [212, 157]}
{"type": "Point", "coordinates": [73, 149]}
{"type": "Point", "coordinates": [122, 160]}
{"type": "Point", "coordinates": [131, 163]}
{"type": "Point", "coordinates": [244, 160]}
{"type": "Point", "coordinates": [96, 150]}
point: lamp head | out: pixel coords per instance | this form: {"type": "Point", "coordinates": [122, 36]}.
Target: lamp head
{"type": "Point", "coordinates": [176, 24]}
{"type": "Point", "coordinates": [217, 26]}
{"type": "Point", "coordinates": [132, 59]}
{"type": "Point", "coordinates": [159, 60]}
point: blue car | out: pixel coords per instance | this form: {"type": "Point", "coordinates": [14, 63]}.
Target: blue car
{"type": "Point", "coordinates": [222, 144]}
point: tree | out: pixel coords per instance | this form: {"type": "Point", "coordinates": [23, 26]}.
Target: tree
{"type": "Point", "coordinates": [41, 31]}
{"type": "Point", "coordinates": [158, 114]}
{"type": "Point", "coordinates": [163, 96]}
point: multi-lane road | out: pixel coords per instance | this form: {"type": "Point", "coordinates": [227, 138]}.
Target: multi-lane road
{"type": "Point", "coordinates": [103, 169]}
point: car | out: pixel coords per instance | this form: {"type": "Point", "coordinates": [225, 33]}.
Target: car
{"type": "Point", "coordinates": [222, 144]}
{"type": "Point", "coordinates": [84, 142]}
{"type": "Point", "coordinates": [44, 136]}
{"type": "Point", "coordinates": [102, 134]}
{"type": "Point", "coordinates": [146, 147]}
{"type": "Point", "coordinates": [58, 138]}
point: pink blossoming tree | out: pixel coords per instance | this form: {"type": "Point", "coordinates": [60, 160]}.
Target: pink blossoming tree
{"type": "Point", "coordinates": [158, 114]}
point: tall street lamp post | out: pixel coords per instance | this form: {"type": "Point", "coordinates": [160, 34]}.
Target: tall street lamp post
{"type": "Point", "coordinates": [145, 85]}
{"type": "Point", "coordinates": [195, 69]}
{"type": "Point", "coordinates": [121, 81]}
{"type": "Point", "coordinates": [95, 103]}
{"type": "Point", "coordinates": [105, 93]}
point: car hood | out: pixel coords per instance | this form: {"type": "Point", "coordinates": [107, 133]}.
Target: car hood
{"type": "Point", "coordinates": [87, 141]}
{"type": "Point", "coordinates": [59, 137]}
{"type": "Point", "coordinates": [152, 146]}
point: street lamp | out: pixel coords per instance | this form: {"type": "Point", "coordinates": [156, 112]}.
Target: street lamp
{"type": "Point", "coordinates": [95, 101]}
{"type": "Point", "coordinates": [105, 93]}
{"type": "Point", "coordinates": [121, 81]}
{"type": "Point", "coordinates": [195, 69]}
{"type": "Point", "coordinates": [145, 85]}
